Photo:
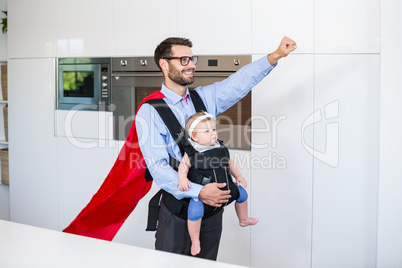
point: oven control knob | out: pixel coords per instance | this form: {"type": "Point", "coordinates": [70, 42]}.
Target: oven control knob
{"type": "Point", "coordinates": [143, 62]}
{"type": "Point", "coordinates": [123, 62]}
{"type": "Point", "coordinates": [236, 62]}
{"type": "Point", "coordinates": [104, 77]}
{"type": "Point", "coordinates": [104, 84]}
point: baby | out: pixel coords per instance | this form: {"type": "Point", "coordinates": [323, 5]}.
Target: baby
{"type": "Point", "coordinates": [203, 137]}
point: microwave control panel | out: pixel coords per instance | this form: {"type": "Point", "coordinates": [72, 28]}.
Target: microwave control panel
{"type": "Point", "coordinates": [105, 83]}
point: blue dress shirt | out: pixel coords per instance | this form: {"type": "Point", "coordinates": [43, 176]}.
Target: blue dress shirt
{"type": "Point", "coordinates": [157, 144]}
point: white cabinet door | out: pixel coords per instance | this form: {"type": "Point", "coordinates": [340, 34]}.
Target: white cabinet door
{"type": "Point", "coordinates": [235, 242]}
{"type": "Point", "coordinates": [84, 28]}
{"type": "Point", "coordinates": [81, 171]}
{"type": "Point", "coordinates": [33, 159]}
{"type": "Point", "coordinates": [78, 126]}
{"type": "Point", "coordinates": [216, 27]}
{"type": "Point", "coordinates": [271, 20]}
{"type": "Point", "coordinates": [346, 193]}
{"type": "Point", "coordinates": [281, 168]}
{"type": "Point", "coordinates": [347, 26]}
{"type": "Point", "coordinates": [390, 185]}
{"type": "Point", "coordinates": [139, 26]}
{"type": "Point", "coordinates": [31, 29]}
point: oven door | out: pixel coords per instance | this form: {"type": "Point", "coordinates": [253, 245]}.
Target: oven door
{"type": "Point", "coordinates": [129, 89]}
{"type": "Point", "coordinates": [79, 84]}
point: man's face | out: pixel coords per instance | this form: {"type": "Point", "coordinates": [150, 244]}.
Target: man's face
{"type": "Point", "coordinates": [181, 75]}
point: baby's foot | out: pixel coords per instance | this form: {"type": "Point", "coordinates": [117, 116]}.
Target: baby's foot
{"type": "Point", "coordinates": [248, 221]}
{"type": "Point", "coordinates": [195, 248]}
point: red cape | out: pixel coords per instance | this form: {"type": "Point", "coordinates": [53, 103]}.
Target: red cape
{"type": "Point", "coordinates": [119, 194]}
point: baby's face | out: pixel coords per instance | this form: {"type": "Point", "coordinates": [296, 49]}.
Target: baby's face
{"type": "Point", "coordinates": [205, 133]}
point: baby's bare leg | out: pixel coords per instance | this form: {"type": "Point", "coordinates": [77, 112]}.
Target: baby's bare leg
{"type": "Point", "coordinates": [194, 228]}
{"type": "Point", "coordinates": [242, 214]}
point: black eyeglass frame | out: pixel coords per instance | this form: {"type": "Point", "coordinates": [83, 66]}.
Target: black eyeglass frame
{"type": "Point", "coordinates": [187, 59]}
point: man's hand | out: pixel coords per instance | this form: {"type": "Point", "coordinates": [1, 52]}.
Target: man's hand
{"type": "Point", "coordinates": [211, 195]}
{"type": "Point", "coordinates": [286, 46]}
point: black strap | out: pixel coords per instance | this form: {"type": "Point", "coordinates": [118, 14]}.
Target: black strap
{"type": "Point", "coordinates": [170, 120]}
{"type": "Point", "coordinates": [197, 101]}
{"type": "Point", "coordinates": [152, 208]}
{"type": "Point", "coordinates": [176, 130]}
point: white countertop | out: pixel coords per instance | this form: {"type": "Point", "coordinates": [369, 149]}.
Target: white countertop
{"type": "Point", "coordinates": [27, 246]}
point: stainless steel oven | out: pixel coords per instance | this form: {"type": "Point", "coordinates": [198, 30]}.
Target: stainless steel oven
{"type": "Point", "coordinates": [83, 83]}
{"type": "Point", "coordinates": [136, 77]}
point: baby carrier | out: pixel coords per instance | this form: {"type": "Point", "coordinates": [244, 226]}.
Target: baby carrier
{"type": "Point", "coordinates": [208, 166]}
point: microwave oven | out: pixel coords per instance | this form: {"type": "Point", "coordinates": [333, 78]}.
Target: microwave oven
{"type": "Point", "coordinates": [83, 84]}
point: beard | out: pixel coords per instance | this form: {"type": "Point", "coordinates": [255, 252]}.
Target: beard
{"type": "Point", "coordinates": [178, 76]}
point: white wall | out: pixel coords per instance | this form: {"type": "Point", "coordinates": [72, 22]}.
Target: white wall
{"type": "Point", "coordinates": [320, 209]}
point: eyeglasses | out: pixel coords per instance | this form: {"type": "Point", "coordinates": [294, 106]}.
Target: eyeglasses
{"type": "Point", "coordinates": [184, 61]}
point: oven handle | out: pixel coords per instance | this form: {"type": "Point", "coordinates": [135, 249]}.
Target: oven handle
{"type": "Point", "coordinates": [159, 74]}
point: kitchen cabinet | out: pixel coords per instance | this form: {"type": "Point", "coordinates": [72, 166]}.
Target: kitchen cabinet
{"type": "Point", "coordinates": [216, 27]}
{"type": "Point", "coordinates": [346, 191]}
{"type": "Point", "coordinates": [78, 126]}
{"type": "Point", "coordinates": [138, 27]}
{"type": "Point", "coordinates": [33, 161]}
{"type": "Point", "coordinates": [235, 241]}
{"type": "Point", "coordinates": [271, 20]}
{"type": "Point", "coordinates": [347, 26]}
{"type": "Point", "coordinates": [84, 28]}
{"type": "Point", "coordinates": [80, 172]}
{"type": "Point", "coordinates": [281, 168]}
{"type": "Point", "coordinates": [90, 167]}
{"type": "Point", "coordinates": [389, 244]}
{"type": "Point", "coordinates": [31, 29]}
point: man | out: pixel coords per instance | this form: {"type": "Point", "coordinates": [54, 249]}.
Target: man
{"type": "Point", "coordinates": [178, 63]}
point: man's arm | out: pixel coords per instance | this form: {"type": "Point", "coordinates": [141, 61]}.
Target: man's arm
{"type": "Point", "coordinates": [219, 96]}
{"type": "Point", "coordinates": [222, 95]}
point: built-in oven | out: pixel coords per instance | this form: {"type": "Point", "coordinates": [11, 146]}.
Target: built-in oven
{"type": "Point", "coordinates": [83, 83]}
{"type": "Point", "coordinates": [134, 78]}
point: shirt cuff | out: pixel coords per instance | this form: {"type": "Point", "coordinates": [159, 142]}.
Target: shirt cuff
{"type": "Point", "coordinates": [272, 66]}
{"type": "Point", "coordinates": [195, 191]}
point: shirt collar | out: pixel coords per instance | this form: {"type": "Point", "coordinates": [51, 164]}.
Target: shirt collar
{"type": "Point", "coordinates": [171, 95]}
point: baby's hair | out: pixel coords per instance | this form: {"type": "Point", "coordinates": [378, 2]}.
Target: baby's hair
{"type": "Point", "coordinates": [195, 116]}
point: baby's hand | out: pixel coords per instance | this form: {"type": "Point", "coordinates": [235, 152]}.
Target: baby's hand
{"type": "Point", "coordinates": [184, 185]}
{"type": "Point", "coordinates": [241, 180]}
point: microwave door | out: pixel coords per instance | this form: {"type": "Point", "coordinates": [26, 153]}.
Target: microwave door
{"type": "Point", "coordinates": [78, 84]}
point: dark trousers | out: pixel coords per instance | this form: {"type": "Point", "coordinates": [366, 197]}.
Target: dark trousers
{"type": "Point", "coordinates": [172, 234]}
